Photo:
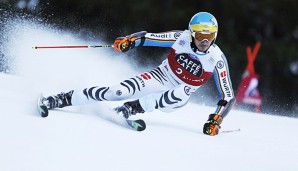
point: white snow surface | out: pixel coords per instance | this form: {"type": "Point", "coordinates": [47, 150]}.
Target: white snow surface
{"type": "Point", "coordinates": [84, 138]}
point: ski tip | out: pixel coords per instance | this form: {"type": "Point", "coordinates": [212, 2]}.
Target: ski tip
{"type": "Point", "coordinates": [142, 125]}
{"type": "Point", "coordinates": [43, 110]}
{"type": "Point", "coordinates": [138, 125]}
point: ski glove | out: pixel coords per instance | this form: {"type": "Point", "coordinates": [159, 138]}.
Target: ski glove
{"type": "Point", "coordinates": [212, 126]}
{"type": "Point", "coordinates": [123, 44]}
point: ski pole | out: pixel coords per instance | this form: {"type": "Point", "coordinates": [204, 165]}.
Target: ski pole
{"type": "Point", "coordinates": [229, 131]}
{"type": "Point", "coordinates": [85, 46]}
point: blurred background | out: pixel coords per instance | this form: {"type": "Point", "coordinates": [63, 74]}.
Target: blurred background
{"type": "Point", "coordinates": [242, 23]}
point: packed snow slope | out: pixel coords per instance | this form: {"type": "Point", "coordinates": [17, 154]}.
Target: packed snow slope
{"type": "Point", "coordinates": [86, 138]}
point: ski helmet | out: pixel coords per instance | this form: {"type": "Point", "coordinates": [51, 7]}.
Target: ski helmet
{"type": "Point", "coordinates": [203, 25]}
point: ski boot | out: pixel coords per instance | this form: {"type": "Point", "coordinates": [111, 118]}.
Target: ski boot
{"type": "Point", "coordinates": [130, 108]}
{"type": "Point", "coordinates": [59, 101]}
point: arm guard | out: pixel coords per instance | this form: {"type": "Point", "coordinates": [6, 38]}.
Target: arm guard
{"type": "Point", "coordinates": [226, 105]}
{"type": "Point", "coordinates": [164, 39]}
{"type": "Point", "coordinates": [224, 86]}
{"type": "Point", "coordinates": [140, 37]}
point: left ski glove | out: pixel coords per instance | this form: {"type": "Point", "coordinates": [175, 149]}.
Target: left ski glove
{"type": "Point", "coordinates": [123, 44]}
{"type": "Point", "coordinates": [212, 126]}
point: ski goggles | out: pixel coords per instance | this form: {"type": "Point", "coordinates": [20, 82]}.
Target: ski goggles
{"type": "Point", "coordinates": [203, 31]}
{"type": "Point", "coordinates": [202, 36]}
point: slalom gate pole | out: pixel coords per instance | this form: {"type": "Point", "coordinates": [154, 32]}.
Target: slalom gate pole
{"type": "Point", "coordinates": [86, 46]}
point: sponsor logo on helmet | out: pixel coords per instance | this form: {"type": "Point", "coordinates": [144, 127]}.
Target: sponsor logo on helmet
{"type": "Point", "coordinates": [213, 20]}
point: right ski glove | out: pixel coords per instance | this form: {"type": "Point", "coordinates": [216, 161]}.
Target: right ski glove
{"type": "Point", "coordinates": [123, 44]}
{"type": "Point", "coordinates": [212, 126]}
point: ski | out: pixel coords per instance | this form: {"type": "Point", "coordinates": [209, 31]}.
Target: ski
{"type": "Point", "coordinates": [137, 125]}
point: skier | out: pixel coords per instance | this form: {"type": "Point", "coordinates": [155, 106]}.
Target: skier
{"type": "Point", "coordinates": [192, 60]}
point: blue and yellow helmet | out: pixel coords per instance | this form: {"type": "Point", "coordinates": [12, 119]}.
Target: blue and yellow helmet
{"type": "Point", "coordinates": [205, 23]}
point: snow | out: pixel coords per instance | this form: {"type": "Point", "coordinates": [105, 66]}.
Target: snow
{"type": "Point", "coordinates": [85, 137]}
